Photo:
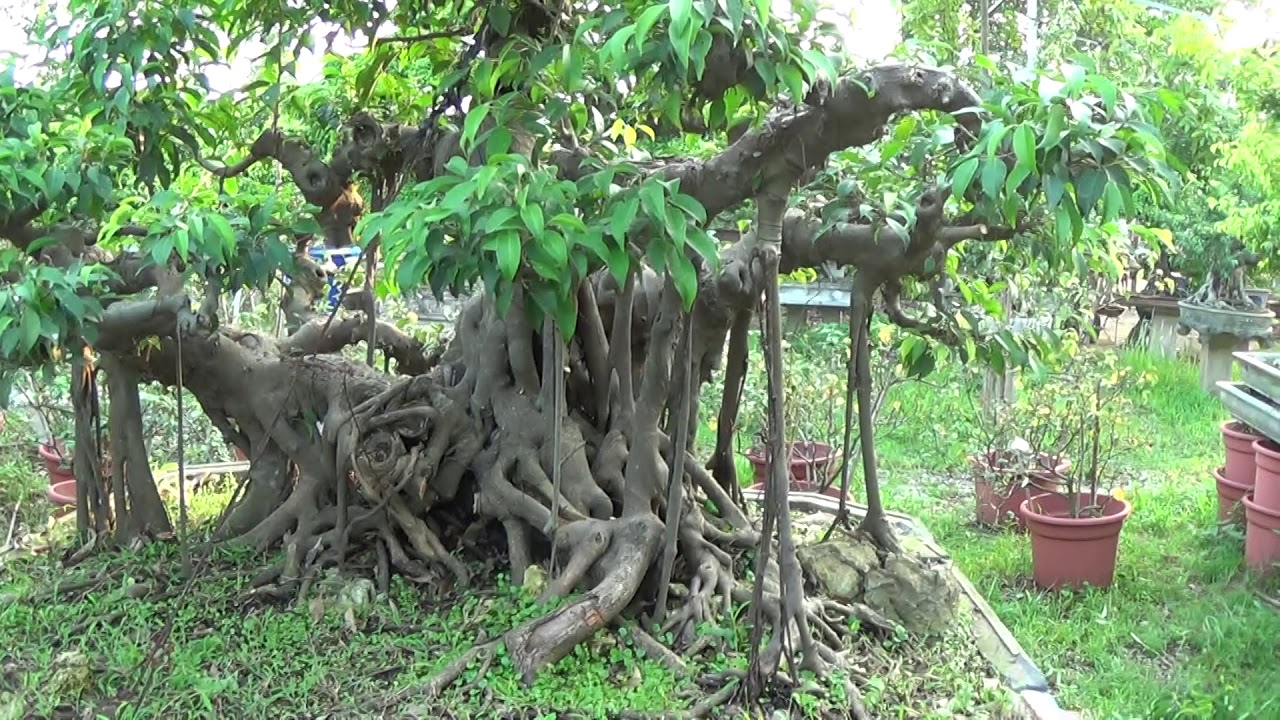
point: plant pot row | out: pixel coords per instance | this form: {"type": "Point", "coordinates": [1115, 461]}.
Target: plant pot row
{"type": "Point", "coordinates": [1250, 477]}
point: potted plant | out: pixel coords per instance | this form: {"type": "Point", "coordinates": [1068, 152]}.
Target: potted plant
{"type": "Point", "coordinates": [1012, 466]}
{"type": "Point", "coordinates": [810, 459]}
{"type": "Point", "coordinates": [1075, 534]}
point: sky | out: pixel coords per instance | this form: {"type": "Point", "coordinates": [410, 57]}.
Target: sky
{"type": "Point", "coordinates": [871, 29]}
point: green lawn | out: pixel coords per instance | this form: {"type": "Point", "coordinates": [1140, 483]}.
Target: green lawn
{"type": "Point", "coordinates": [1182, 629]}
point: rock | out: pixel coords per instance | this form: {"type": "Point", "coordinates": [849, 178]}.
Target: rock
{"type": "Point", "coordinates": [840, 566]}
{"type": "Point", "coordinates": [356, 595]}
{"type": "Point", "coordinates": [71, 674]}
{"type": "Point", "coordinates": [535, 580]}
{"type": "Point", "coordinates": [922, 598]}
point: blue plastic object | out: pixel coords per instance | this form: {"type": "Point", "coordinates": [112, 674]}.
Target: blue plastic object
{"type": "Point", "coordinates": [339, 257]}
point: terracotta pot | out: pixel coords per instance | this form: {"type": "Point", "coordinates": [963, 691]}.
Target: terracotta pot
{"type": "Point", "coordinates": [1072, 552]}
{"type": "Point", "coordinates": [832, 491]}
{"type": "Point", "coordinates": [53, 455]}
{"type": "Point", "coordinates": [996, 504]}
{"type": "Point", "coordinates": [1266, 484]}
{"type": "Point", "coordinates": [63, 492]}
{"type": "Point", "coordinates": [1230, 494]}
{"type": "Point", "coordinates": [1239, 445]}
{"type": "Point", "coordinates": [1261, 537]}
{"type": "Point", "coordinates": [804, 455]}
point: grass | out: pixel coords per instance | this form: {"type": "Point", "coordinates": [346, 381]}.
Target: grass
{"type": "Point", "coordinates": [1180, 634]}
{"type": "Point", "coordinates": [95, 640]}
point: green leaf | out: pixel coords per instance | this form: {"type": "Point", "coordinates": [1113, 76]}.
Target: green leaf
{"type": "Point", "coordinates": [1054, 127]}
{"type": "Point", "coordinates": [1113, 203]}
{"type": "Point", "coordinates": [1024, 148]}
{"type": "Point", "coordinates": [683, 275]}
{"type": "Point", "coordinates": [471, 125]}
{"type": "Point", "coordinates": [1089, 187]}
{"type": "Point", "coordinates": [793, 80]}
{"type": "Point", "coordinates": [1062, 224]}
{"type": "Point", "coordinates": [681, 12]}
{"type": "Point", "coordinates": [650, 17]}
{"type": "Point", "coordinates": [500, 19]}
{"type": "Point", "coordinates": [567, 315]}
{"type": "Point", "coordinates": [1055, 187]}
{"type": "Point", "coordinates": [29, 326]}
{"type": "Point", "coordinates": [501, 219]}
{"type": "Point", "coordinates": [621, 218]}
{"type": "Point", "coordinates": [690, 206]}
{"type": "Point", "coordinates": [654, 200]}
{"type": "Point", "coordinates": [533, 219]}
{"type": "Point", "coordinates": [705, 245]}
{"type": "Point", "coordinates": [506, 245]}
{"type": "Point", "coordinates": [993, 174]}
{"type": "Point", "coordinates": [821, 64]}
{"type": "Point", "coordinates": [963, 176]}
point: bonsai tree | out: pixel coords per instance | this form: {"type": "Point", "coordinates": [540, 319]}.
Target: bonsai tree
{"type": "Point", "coordinates": [472, 155]}
{"type": "Point", "coordinates": [1218, 262]}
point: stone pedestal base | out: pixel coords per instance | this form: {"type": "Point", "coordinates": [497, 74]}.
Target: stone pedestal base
{"type": "Point", "coordinates": [1163, 337]}
{"type": "Point", "coordinates": [1216, 360]}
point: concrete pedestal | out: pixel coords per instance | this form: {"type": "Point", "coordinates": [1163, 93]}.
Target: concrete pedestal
{"type": "Point", "coordinates": [1163, 337]}
{"type": "Point", "coordinates": [1216, 360]}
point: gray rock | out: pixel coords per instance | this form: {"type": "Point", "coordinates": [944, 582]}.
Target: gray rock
{"type": "Point", "coordinates": [922, 598]}
{"type": "Point", "coordinates": [840, 567]}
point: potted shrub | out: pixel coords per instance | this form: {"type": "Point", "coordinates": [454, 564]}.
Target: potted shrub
{"type": "Point", "coordinates": [813, 427]}
{"type": "Point", "coordinates": [1075, 534]}
{"type": "Point", "coordinates": [1012, 465]}
{"type": "Point", "coordinates": [57, 460]}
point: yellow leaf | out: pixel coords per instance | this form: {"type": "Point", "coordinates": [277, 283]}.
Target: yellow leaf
{"type": "Point", "coordinates": [647, 131]}
{"type": "Point", "coordinates": [616, 129]}
{"type": "Point", "coordinates": [629, 136]}
{"type": "Point", "coordinates": [1119, 494]}
{"type": "Point", "coordinates": [886, 334]}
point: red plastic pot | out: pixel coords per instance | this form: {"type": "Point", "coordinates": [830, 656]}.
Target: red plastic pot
{"type": "Point", "coordinates": [1230, 493]}
{"type": "Point", "coordinates": [995, 506]}
{"type": "Point", "coordinates": [53, 455]}
{"type": "Point", "coordinates": [62, 492]}
{"type": "Point", "coordinates": [832, 491]}
{"type": "Point", "coordinates": [1261, 537]}
{"type": "Point", "coordinates": [1072, 552]}
{"type": "Point", "coordinates": [1266, 484]}
{"type": "Point", "coordinates": [1240, 454]}
{"type": "Point", "coordinates": [804, 454]}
